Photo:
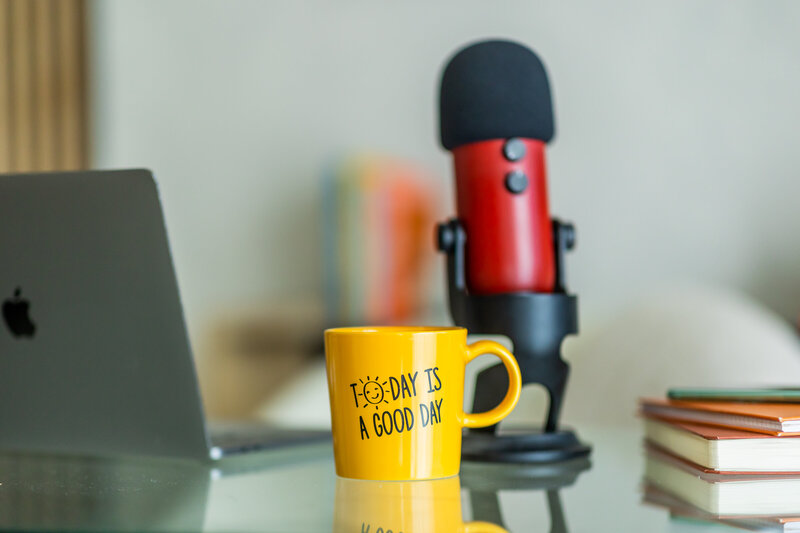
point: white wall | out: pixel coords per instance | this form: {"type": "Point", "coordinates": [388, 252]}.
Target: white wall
{"type": "Point", "coordinates": [676, 150]}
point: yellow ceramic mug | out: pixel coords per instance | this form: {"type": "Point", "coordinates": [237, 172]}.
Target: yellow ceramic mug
{"type": "Point", "coordinates": [397, 396]}
{"type": "Point", "coordinates": [432, 506]}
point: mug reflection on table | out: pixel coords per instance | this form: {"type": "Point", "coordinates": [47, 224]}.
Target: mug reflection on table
{"type": "Point", "coordinates": [432, 506]}
{"type": "Point", "coordinates": [397, 396]}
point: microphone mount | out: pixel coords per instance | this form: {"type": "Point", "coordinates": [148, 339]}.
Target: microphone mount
{"type": "Point", "coordinates": [536, 323]}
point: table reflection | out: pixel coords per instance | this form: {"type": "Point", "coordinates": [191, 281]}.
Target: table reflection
{"type": "Point", "coordinates": [693, 495]}
{"type": "Point", "coordinates": [432, 506]}
{"type": "Point", "coordinates": [683, 515]}
{"type": "Point", "coordinates": [485, 481]}
{"type": "Point", "coordinates": [91, 494]}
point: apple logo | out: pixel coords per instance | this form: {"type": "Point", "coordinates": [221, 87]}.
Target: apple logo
{"type": "Point", "coordinates": [16, 316]}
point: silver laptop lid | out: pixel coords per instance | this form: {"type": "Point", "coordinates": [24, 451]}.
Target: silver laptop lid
{"type": "Point", "coordinates": [94, 356]}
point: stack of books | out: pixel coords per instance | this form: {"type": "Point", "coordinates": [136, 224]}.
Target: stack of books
{"type": "Point", "coordinates": [731, 456]}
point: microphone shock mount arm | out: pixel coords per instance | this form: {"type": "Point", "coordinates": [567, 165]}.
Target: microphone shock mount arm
{"type": "Point", "coordinates": [536, 323]}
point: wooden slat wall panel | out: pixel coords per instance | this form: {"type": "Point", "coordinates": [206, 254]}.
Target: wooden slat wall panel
{"type": "Point", "coordinates": [5, 92]}
{"type": "Point", "coordinates": [43, 100]}
{"type": "Point", "coordinates": [45, 111]}
{"type": "Point", "coordinates": [72, 76]}
{"type": "Point", "coordinates": [21, 85]}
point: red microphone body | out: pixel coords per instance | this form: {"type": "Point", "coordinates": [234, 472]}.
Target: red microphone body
{"type": "Point", "coordinates": [496, 117]}
{"type": "Point", "coordinates": [502, 205]}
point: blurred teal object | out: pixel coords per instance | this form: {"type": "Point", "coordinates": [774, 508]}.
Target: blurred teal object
{"type": "Point", "coordinates": [766, 395]}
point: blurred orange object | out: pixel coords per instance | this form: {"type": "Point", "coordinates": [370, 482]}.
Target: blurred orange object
{"type": "Point", "coordinates": [378, 215]}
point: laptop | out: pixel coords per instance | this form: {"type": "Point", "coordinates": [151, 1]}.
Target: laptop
{"type": "Point", "coordinates": [94, 354]}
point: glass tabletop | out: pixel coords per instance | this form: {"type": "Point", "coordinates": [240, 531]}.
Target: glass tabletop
{"type": "Point", "coordinates": [296, 490]}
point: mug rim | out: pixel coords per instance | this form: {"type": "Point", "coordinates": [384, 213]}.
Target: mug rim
{"type": "Point", "coordinates": [394, 330]}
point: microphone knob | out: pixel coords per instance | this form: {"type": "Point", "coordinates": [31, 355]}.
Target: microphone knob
{"type": "Point", "coordinates": [445, 237]}
{"type": "Point", "coordinates": [516, 181]}
{"type": "Point", "coordinates": [514, 149]}
{"type": "Point", "coordinates": [569, 235]}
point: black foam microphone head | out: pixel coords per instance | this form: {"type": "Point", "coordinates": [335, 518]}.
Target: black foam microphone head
{"type": "Point", "coordinates": [494, 90]}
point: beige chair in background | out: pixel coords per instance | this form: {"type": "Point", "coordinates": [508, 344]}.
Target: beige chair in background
{"type": "Point", "coordinates": [678, 337]}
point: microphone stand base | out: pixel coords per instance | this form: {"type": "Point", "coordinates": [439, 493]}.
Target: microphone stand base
{"type": "Point", "coordinates": [530, 447]}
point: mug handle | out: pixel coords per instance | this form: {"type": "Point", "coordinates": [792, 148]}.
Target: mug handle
{"type": "Point", "coordinates": [504, 408]}
{"type": "Point", "coordinates": [483, 527]}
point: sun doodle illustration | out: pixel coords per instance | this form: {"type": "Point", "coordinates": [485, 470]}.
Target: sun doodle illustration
{"type": "Point", "coordinates": [373, 391]}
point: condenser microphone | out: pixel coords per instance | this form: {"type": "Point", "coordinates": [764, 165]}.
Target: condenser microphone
{"type": "Point", "coordinates": [496, 116]}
